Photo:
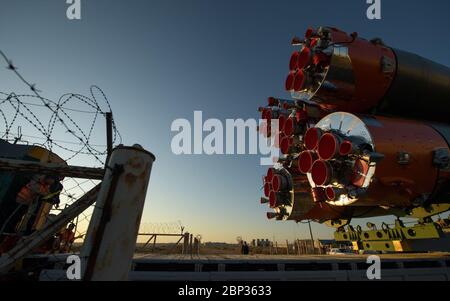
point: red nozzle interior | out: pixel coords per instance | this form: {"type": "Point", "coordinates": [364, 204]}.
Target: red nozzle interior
{"type": "Point", "coordinates": [289, 127]}
{"type": "Point", "coordinates": [281, 122]}
{"type": "Point", "coordinates": [345, 148]}
{"type": "Point", "coordinates": [305, 161]}
{"type": "Point", "coordinates": [304, 58]}
{"type": "Point", "coordinates": [279, 183]}
{"type": "Point", "coordinates": [328, 146]}
{"type": "Point", "coordinates": [276, 183]}
{"type": "Point", "coordinates": [294, 60]}
{"type": "Point", "coordinates": [272, 199]}
{"type": "Point", "coordinates": [299, 81]}
{"type": "Point", "coordinates": [330, 193]}
{"type": "Point", "coordinates": [312, 137]}
{"type": "Point", "coordinates": [321, 172]}
{"type": "Point", "coordinates": [267, 189]}
{"type": "Point", "coordinates": [270, 174]}
{"type": "Point", "coordinates": [290, 81]}
{"type": "Point", "coordinates": [285, 144]}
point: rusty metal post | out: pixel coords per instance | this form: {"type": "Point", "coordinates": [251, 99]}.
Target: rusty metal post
{"type": "Point", "coordinates": [190, 243]}
{"type": "Point", "coordinates": [186, 243]}
{"type": "Point", "coordinates": [110, 242]}
{"type": "Point", "coordinates": [311, 234]}
{"type": "Point", "coordinates": [154, 243]}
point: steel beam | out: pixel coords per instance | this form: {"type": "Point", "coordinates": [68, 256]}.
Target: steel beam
{"type": "Point", "coordinates": [22, 166]}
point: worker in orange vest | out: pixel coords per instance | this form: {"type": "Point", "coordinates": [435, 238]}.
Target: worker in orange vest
{"type": "Point", "coordinates": [38, 187]}
{"type": "Point", "coordinates": [52, 190]}
{"type": "Point", "coordinates": [67, 237]}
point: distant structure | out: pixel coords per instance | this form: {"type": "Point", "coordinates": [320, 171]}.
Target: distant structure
{"type": "Point", "coordinates": [261, 243]}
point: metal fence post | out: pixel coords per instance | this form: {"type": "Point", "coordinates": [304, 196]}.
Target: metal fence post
{"type": "Point", "coordinates": [111, 238]}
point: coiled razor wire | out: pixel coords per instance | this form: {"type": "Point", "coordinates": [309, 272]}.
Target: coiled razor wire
{"type": "Point", "coordinates": [46, 118]}
{"type": "Point", "coordinates": [13, 106]}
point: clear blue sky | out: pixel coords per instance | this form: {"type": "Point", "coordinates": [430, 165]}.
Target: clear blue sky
{"type": "Point", "coordinates": [161, 60]}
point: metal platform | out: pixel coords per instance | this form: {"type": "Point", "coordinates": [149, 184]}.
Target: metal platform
{"type": "Point", "coordinates": [420, 267]}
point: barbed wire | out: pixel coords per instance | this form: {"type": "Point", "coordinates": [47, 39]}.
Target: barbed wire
{"type": "Point", "coordinates": [63, 126]}
{"type": "Point", "coordinates": [60, 114]}
{"type": "Point", "coordinates": [162, 228]}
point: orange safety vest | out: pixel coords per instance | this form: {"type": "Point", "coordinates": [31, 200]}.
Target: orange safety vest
{"type": "Point", "coordinates": [67, 236]}
{"type": "Point", "coordinates": [31, 191]}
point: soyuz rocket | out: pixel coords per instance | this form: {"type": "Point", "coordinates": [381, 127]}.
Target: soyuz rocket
{"type": "Point", "coordinates": [366, 131]}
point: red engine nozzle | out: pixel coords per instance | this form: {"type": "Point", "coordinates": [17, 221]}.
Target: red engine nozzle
{"type": "Point", "coordinates": [289, 85]}
{"type": "Point", "coordinates": [285, 144]}
{"type": "Point", "coordinates": [282, 122]}
{"type": "Point", "coordinates": [312, 137]}
{"type": "Point", "coordinates": [293, 63]}
{"type": "Point", "coordinates": [270, 174]}
{"type": "Point", "coordinates": [345, 148]}
{"type": "Point", "coordinates": [321, 172]}
{"type": "Point", "coordinates": [306, 160]}
{"type": "Point", "coordinates": [304, 58]}
{"type": "Point", "coordinates": [330, 193]}
{"type": "Point", "coordinates": [292, 127]}
{"type": "Point", "coordinates": [267, 189]}
{"type": "Point", "coordinates": [280, 183]}
{"type": "Point", "coordinates": [299, 81]}
{"type": "Point", "coordinates": [328, 146]}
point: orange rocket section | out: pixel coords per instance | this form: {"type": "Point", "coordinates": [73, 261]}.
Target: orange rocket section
{"type": "Point", "coordinates": [343, 71]}
{"type": "Point", "coordinates": [406, 174]}
{"type": "Point", "coordinates": [359, 137]}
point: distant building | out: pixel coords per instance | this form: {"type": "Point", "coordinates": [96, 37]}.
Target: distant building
{"type": "Point", "coordinates": [261, 243]}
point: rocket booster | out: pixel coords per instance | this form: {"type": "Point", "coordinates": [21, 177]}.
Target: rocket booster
{"type": "Point", "coordinates": [347, 73]}
{"type": "Point", "coordinates": [366, 134]}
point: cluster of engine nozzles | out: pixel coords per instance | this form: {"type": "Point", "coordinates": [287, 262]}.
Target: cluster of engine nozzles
{"type": "Point", "coordinates": [307, 61]}
{"type": "Point", "coordinates": [320, 149]}
{"type": "Point", "coordinates": [290, 123]}
{"type": "Point", "coordinates": [317, 150]}
{"type": "Point", "coordinates": [327, 160]}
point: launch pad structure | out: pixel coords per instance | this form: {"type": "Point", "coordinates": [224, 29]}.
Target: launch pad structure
{"type": "Point", "coordinates": [156, 267]}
